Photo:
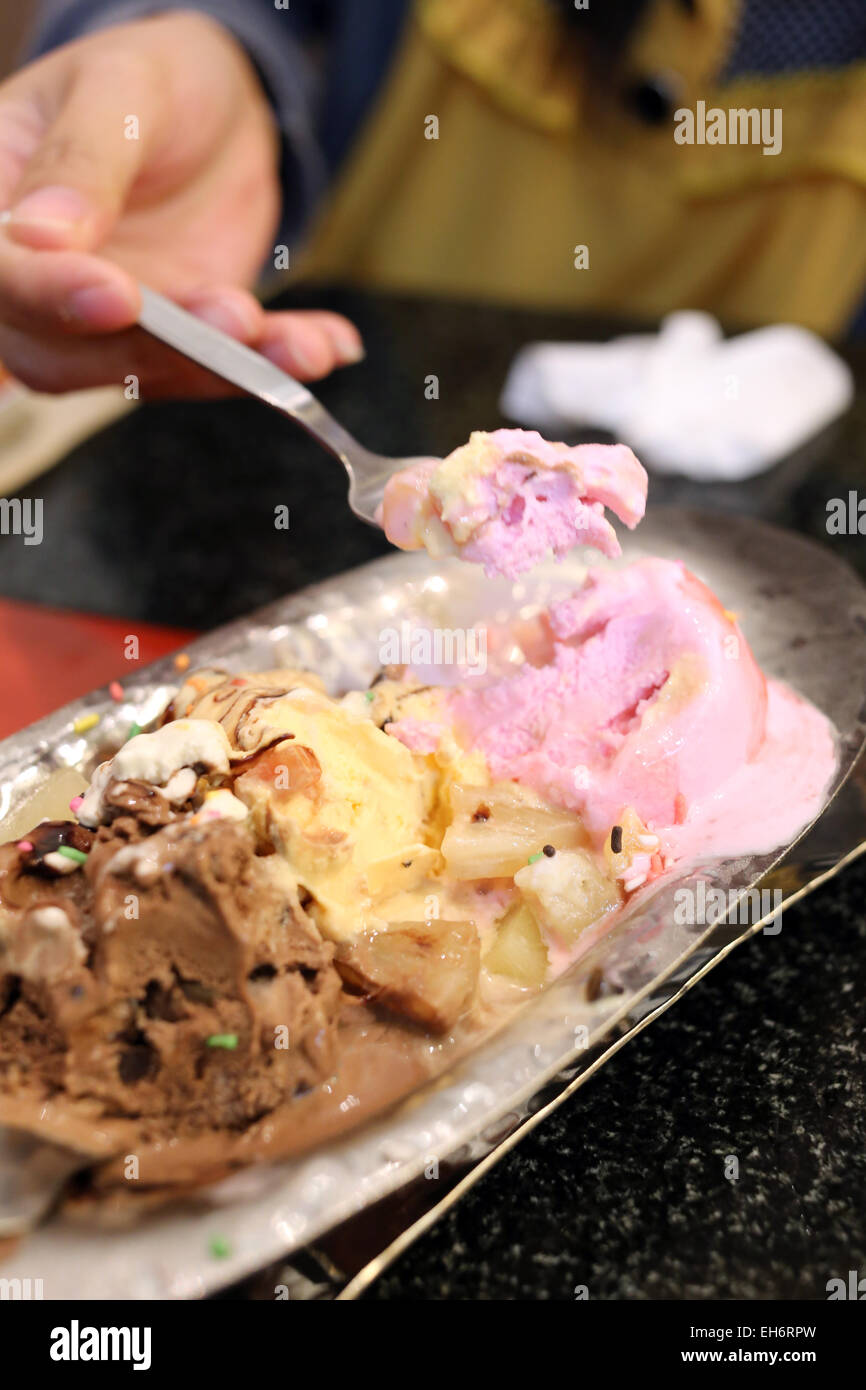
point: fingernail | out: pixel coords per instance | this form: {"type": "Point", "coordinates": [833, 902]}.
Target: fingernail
{"type": "Point", "coordinates": [100, 306]}
{"type": "Point", "coordinates": [347, 345]}
{"type": "Point", "coordinates": [225, 317]}
{"type": "Point", "coordinates": [291, 359]}
{"type": "Point", "coordinates": [47, 216]}
{"type": "Point", "coordinates": [350, 350]}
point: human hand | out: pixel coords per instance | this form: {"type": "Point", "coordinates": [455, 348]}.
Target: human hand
{"type": "Point", "coordinates": [188, 207]}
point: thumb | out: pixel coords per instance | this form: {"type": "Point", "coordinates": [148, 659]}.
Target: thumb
{"type": "Point", "coordinates": [77, 181]}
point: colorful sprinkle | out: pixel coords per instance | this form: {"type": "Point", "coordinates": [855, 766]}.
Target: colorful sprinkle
{"type": "Point", "coordinates": [616, 840]}
{"type": "Point", "coordinates": [134, 731]}
{"type": "Point", "coordinates": [75, 803]}
{"type": "Point", "coordinates": [681, 809]}
{"type": "Point", "coordinates": [533, 858]}
{"type": "Point", "coordinates": [238, 680]}
{"type": "Point", "coordinates": [548, 851]}
{"type": "Point", "coordinates": [85, 722]}
{"type": "Point", "coordinates": [219, 1247]}
{"type": "Point", "coordinates": [228, 1041]}
{"type": "Point", "coordinates": [181, 661]}
{"type": "Point", "coordinates": [115, 690]}
{"type": "Point", "coordinates": [69, 853]}
{"type": "Point", "coordinates": [369, 695]}
{"type": "Point", "coordinates": [24, 846]}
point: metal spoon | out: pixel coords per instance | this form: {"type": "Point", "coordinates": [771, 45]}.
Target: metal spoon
{"type": "Point", "coordinates": [234, 362]}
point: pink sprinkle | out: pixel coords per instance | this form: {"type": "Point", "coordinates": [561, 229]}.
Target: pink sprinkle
{"type": "Point", "coordinates": [115, 690]}
{"type": "Point", "coordinates": [24, 846]}
{"type": "Point", "coordinates": [75, 803]}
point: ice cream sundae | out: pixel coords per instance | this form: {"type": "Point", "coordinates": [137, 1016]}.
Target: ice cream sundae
{"type": "Point", "coordinates": [272, 910]}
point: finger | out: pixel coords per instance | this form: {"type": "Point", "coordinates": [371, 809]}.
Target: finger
{"type": "Point", "coordinates": [48, 351]}
{"type": "Point", "coordinates": [145, 368]}
{"type": "Point", "coordinates": [232, 310]}
{"type": "Point", "coordinates": [309, 343]}
{"type": "Point", "coordinates": [347, 341]}
{"type": "Point", "coordinates": [131, 358]}
{"type": "Point", "coordinates": [78, 179]}
{"type": "Point", "coordinates": [64, 292]}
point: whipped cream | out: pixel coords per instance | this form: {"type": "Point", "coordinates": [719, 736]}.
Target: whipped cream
{"type": "Point", "coordinates": [156, 758]}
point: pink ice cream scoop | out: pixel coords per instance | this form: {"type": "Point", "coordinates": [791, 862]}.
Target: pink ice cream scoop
{"type": "Point", "coordinates": [506, 500]}
{"type": "Point", "coordinates": [651, 698]}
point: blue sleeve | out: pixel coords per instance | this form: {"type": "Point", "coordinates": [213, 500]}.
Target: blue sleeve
{"type": "Point", "coordinates": [277, 41]}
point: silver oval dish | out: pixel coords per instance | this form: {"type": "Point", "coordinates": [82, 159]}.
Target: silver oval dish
{"type": "Point", "coordinates": [804, 613]}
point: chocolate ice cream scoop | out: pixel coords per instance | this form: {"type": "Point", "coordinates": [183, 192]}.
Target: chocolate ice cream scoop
{"type": "Point", "coordinates": [175, 995]}
{"type": "Point", "coordinates": [202, 998]}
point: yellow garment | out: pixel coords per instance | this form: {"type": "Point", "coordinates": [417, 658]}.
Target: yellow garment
{"type": "Point", "coordinates": [536, 157]}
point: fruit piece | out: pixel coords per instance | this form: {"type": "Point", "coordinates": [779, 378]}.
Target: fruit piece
{"type": "Point", "coordinates": [494, 830]}
{"type": "Point", "coordinates": [287, 769]}
{"type": "Point", "coordinates": [631, 861]}
{"type": "Point", "coordinates": [519, 950]}
{"type": "Point", "coordinates": [427, 971]}
{"type": "Point", "coordinates": [567, 893]}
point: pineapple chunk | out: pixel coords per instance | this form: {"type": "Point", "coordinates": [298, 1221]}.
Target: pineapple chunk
{"type": "Point", "coordinates": [495, 829]}
{"type": "Point", "coordinates": [567, 893]}
{"type": "Point", "coordinates": [631, 863]}
{"type": "Point", "coordinates": [519, 950]}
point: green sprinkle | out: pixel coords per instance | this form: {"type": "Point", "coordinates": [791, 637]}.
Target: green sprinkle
{"type": "Point", "coordinates": [134, 731]}
{"type": "Point", "coordinates": [69, 853]}
{"type": "Point", "coordinates": [533, 857]}
{"type": "Point", "coordinates": [369, 695]}
{"type": "Point", "coordinates": [219, 1247]}
{"type": "Point", "coordinates": [229, 1041]}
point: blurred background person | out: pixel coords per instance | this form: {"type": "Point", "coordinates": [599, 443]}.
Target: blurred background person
{"type": "Point", "coordinates": [520, 151]}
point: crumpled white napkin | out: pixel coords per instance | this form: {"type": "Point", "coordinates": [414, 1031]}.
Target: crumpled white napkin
{"type": "Point", "coordinates": [687, 399]}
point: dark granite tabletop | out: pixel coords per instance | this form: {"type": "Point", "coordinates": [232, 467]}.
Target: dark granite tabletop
{"type": "Point", "coordinates": [168, 516]}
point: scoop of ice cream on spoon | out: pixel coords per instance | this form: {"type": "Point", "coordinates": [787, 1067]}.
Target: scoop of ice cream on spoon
{"type": "Point", "coordinates": [507, 499]}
